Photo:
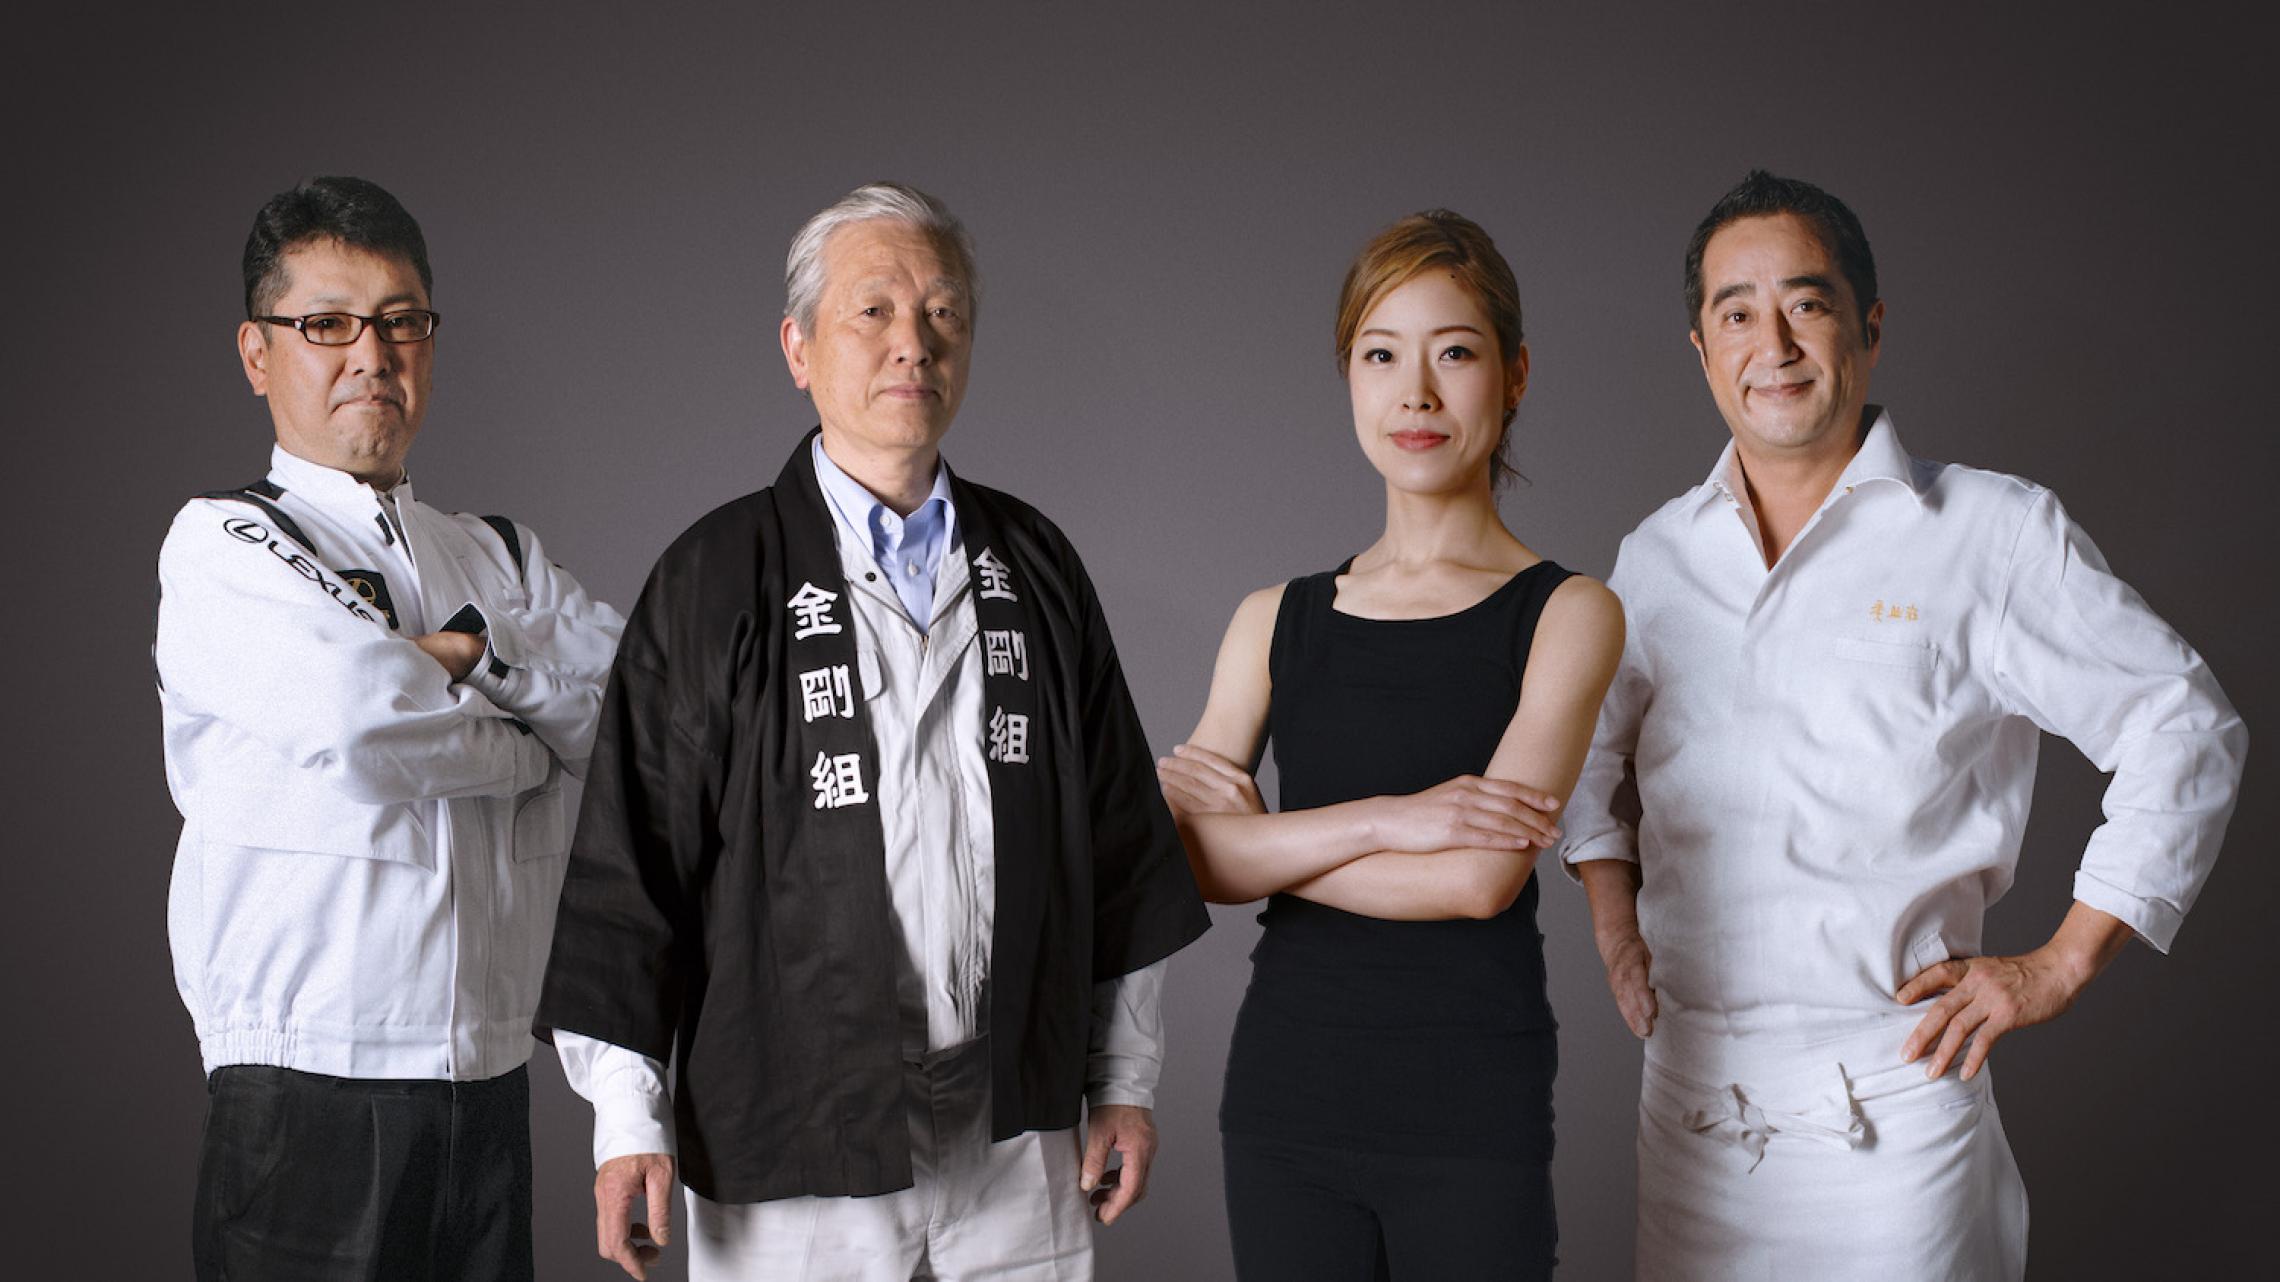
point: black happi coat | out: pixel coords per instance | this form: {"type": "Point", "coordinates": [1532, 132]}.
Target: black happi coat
{"type": "Point", "coordinates": [727, 896]}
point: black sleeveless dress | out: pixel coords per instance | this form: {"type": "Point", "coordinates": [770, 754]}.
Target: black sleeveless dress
{"type": "Point", "coordinates": [1422, 1038]}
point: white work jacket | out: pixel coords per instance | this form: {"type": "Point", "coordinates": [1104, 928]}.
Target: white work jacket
{"type": "Point", "coordinates": [370, 852]}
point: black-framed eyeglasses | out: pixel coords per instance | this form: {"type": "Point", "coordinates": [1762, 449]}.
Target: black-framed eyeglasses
{"type": "Point", "coordinates": [339, 329]}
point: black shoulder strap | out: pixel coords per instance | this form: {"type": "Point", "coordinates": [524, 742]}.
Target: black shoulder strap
{"type": "Point", "coordinates": [512, 537]}
{"type": "Point", "coordinates": [263, 494]}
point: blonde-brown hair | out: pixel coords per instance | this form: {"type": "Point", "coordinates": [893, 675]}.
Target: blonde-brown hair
{"type": "Point", "coordinates": [1422, 242]}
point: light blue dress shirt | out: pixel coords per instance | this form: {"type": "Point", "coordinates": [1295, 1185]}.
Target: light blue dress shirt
{"type": "Point", "coordinates": [908, 550]}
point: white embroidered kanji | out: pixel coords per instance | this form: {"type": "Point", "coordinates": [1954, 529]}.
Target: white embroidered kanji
{"type": "Point", "coordinates": [824, 693]}
{"type": "Point", "coordinates": [995, 577]}
{"type": "Point", "coordinates": [838, 780]}
{"type": "Point", "coordinates": [1009, 737]}
{"type": "Point", "coordinates": [811, 611]}
{"type": "Point", "coordinates": [1006, 653]}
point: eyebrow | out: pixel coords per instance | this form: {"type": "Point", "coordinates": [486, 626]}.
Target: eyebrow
{"type": "Point", "coordinates": [334, 302]}
{"type": "Point", "coordinates": [1811, 280]}
{"type": "Point", "coordinates": [1445, 329]}
{"type": "Point", "coordinates": [939, 285]}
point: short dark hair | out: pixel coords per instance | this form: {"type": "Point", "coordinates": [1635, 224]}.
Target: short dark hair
{"type": "Point", "coordinates": [1762, 195]}
{"type": "Point", "coordinates": [353, 211]}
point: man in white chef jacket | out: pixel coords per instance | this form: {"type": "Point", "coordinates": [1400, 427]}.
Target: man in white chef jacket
{"type": "Point", "coordinates": [369, 708]}
{"type": "Point", "coordinates": [1811, 778]}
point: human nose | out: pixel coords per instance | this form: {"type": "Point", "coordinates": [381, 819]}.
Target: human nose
{"type": "Point", "coordinates": [367, 354]}
{"type": "Point", "coordinates": [1776, 341]}
{"type": "Point", "coordinates": [912, 341]}
{"type": "Point", "coordinates": [1420, 395]}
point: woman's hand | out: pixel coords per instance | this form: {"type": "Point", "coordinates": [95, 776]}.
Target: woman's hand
{"type": "Point", "coordinates": [1198, 781]}
{"type": "Point", "coordinates": [1466, 812]}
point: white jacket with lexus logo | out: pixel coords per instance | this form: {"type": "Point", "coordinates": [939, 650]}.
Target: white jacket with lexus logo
{"type": "Point", "coordinates": [370, 852]}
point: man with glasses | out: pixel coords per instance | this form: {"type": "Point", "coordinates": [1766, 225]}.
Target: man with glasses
{"type": "Point", "coordinates": [369, 707]}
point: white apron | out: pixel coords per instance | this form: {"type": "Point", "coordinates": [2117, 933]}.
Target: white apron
{"type": "Point", "coordinates": [1820, 1164]}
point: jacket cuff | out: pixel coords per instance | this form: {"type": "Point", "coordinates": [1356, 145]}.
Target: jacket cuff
{"type": "Point", "coordinates": [1126, 1058]}
{"type": "Point", "coordinates": [2155, 920]}
{"type": "Point", "coordinates": [498, 675]}
{"type": "Point", "coordinates": [1618, 844]}
{"type": "Point", "coordinates": [631, 1119]}
{"type": "Point", "coordinates": [1103, 1094]}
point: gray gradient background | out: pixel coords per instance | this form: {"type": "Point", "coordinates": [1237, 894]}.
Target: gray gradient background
{"type": "Point", "coordinates": [2067, 209]}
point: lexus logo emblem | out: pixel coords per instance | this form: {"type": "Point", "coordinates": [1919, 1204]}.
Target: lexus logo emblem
{"type": "Point", "coordinates": [245, 531]}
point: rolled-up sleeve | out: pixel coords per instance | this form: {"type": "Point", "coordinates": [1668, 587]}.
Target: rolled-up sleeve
{"type": "Point", "coordinates": [2081, 655]}
{"type": "Point", "coordinates": [1601, 820]}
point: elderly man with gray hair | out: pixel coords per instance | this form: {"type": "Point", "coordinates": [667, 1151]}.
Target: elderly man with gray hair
{"type": "Point", "coordinates": [872, 850]}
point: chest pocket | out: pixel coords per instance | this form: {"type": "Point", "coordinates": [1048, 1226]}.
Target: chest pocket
{"type": "Point", "coordinates": [254, 805]}
{"type": "Point", "coordinates": [542, 823]}
{"type": "Point", "coordinates": [1887, 690]}
{"type": "Point", "coordinates": [1869, 734]}
{"type": "Point", "coordinates": [1905, 656]}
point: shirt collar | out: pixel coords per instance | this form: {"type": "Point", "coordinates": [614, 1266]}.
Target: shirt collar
{"type": "Point", "coordinates": [859, 511]}
{"type": "Point", "coordinates": [1879, 458]}
{"type": "Point", "coordinates": [328, 487]}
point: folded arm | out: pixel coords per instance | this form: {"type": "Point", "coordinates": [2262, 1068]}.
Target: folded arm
{"type": "Point", "coordinates": [254, 634]}
{"type": "Point", "coordinates": [547, 658]}
{"type": "Point", "coordinates": [1453, 850]}
{"type": "Point", "coordinates": [1577, 644]}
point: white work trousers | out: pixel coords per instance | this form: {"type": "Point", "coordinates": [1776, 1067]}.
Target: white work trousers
{"type": "Point", "coordinates": [1812, 1171]}
{"type": "Point", "coordinates": [1005, 1212]}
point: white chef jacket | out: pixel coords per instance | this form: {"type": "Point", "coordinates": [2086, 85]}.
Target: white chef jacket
{"type": "Point", "coordinates": [1833, 761]}
{"type": "Point", "coordinates": [925, 689]}
{"type": "Point", "coordinates": [1834, 757]}
{"type": "Point", "coordinates": [370, 852]}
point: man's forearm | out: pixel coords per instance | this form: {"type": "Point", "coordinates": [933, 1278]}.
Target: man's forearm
{"type": "Point", "coordinates": [1612, 886]}
{"type": "Point", "coordinates": [2086, 943]}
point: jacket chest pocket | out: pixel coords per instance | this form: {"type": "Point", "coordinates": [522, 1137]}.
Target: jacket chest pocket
{"type": "Point", "coordinates": [1887, 690]}
{"type": "Point", "coordinates": [1875, 654]}
{"type": "Point", "coordinates": [1866, 729]}
{"type": "Point", "coordinates": [296, 811]}
{"type": "Point", "coordinates": [542, 823]}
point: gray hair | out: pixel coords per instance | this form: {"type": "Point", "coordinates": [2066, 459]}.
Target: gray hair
{"type": "Point", "coordinates": [803, 267]}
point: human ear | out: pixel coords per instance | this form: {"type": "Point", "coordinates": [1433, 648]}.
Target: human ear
{"type": "Point", "coordinates": [253, 356]}
{"type": "Point", "coordinates": [795, 351]}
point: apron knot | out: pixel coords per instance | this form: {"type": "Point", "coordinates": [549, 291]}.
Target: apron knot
{"type": "Point", "coordinates": [1732, 1118]}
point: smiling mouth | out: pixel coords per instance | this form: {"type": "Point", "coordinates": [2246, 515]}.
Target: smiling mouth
{"type": "Point", "coordinates": [1781, 391]}
{"type": "Point", "coordinates": [1418, 440]}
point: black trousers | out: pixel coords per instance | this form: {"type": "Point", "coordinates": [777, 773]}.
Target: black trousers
{"type": "Point", "coordinates": [307, 1178]}
{"type": "Point", "coordinates": [1308, 1213]}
